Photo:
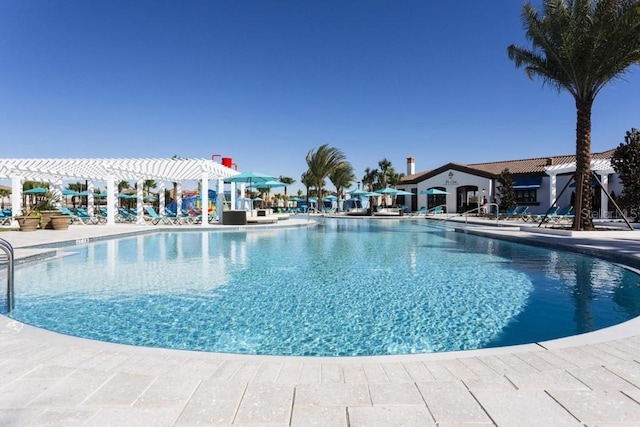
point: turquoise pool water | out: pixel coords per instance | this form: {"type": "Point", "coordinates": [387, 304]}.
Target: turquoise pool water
{"type": "Point", "coordinates": [347, 287]}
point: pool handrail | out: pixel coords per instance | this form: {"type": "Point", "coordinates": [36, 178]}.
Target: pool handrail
{"type": "Point", "coordinates": [8, 249]}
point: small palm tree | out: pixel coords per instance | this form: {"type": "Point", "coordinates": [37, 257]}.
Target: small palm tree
{"type": "Point", "coordinates": [123, 185]}
{"type": "Point", "coordinates": [322, 162]}
{"type": "Point", "coordinates": [385, 170]}
{"type": "Point", "coordinates": [580, 46]}
{"type": "Point", "coordinates": [370, 179]}
{"type": "Point", "coordinates": [342, 177]}
{"type": "Point", "coordinates": [147, 185]}
{"type": "Point", "coordinates": [307, 180]}
{"type": "Point", "coordinates": [286, 180]}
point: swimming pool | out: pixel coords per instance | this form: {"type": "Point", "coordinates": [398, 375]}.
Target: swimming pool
{"type": "Point", "coordinates": [347, 287]}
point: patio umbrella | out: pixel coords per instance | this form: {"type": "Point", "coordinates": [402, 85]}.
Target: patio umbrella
{"type": "Point", "coordinates": [268, 185]}
{"type": "Point", "coordinates": [252, 178]}
{"type": "Point", "coordinates": [432, 192]}
{"type": "Point", "coordinates": [37, 190]}
{"type": "Point", "coordinates": [68, 192]}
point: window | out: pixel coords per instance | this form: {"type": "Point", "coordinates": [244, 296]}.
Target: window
{"type": "Point", "coordinates": [526, 196]}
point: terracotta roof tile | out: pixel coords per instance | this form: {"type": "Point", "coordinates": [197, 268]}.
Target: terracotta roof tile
{"type": "Point", "coordinates": [524, 166]}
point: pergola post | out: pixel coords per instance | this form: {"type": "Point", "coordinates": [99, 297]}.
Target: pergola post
{"type": "Point", "coordinates": [161, 201]}
{"type": "Point", "coordinates": [139, 202]}
{"type": "Point", "coordinates": [220, 204]}
{"type": "Point", "coordinates": [90, 201]}
{"type": "Point", "coordinates": [111, 200]}
{"type": "Point", "coordinates": [178, 198]}
{"type": "Point", "coordinates": [57, 192]}
{"type": "Point", "coordinates": [232, 188]}
{"type": "Point", "coordinates": [16, 199]}
{"type": "Point", "coordinates": [204, 197]}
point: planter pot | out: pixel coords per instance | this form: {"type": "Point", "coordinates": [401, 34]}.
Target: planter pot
{"type": "Point", "coordinates": [46, 218]}
{"type": "Point", "coordinates": [28, 223]}
{"type": "Point", "coordinates": [60, 222]}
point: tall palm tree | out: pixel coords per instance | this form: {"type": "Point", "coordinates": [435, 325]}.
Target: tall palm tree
{"type": "Point", "coordinates": [385, 169]}
{"type": "Point", "coordinates": [370, 179]}
{"type": "Point", "coordinates": [580, 46]}
{"type": "Point", "coordinates": [123, 185]}
{"type": "Point", "coordinates": [286, 180]}
{"type": "Point", "coordinates": [147, 185]}
{"type": "Point", "coordinates": [322, 162]}
{"type": "Point", "coordinates": [308, 181]}
{"type": "Point", "coordinates": [342, 177]}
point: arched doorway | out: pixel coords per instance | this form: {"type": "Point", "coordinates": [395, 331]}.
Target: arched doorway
{"type": "Point", "coordinates": [434, 200]}
{"type": "Point", "coordinates": [466, 198]}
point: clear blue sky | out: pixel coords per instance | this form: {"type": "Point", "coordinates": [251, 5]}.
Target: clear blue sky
{"type": "Point", "coordinates": [266, 81]}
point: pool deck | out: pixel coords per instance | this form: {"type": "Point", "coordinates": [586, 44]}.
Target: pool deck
{"type": "Point", "coordinates": [586, 380]}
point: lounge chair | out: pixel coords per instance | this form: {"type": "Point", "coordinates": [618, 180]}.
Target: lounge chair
{"type": "Point", "coordinates": [4, 219]}
{"type": "Point", "coordinates": [156, 218]}
{"type": "Point", "coordinates": [521, 213]}
{"type": "Point", "coordinates": [421, 211]}
{"type": "Point", "coordinates": [509, 213]}
{"type": "Point", "coordinates": [85, 217]}
{"type": "Point", "coordinates": [435, 210]}
{"type": "Point", "coordinates": [189, 217]}
{"type": "Point", "coordinates": [124, 215]}
{"type": "Point", "coordinates": [563, 214]}
{"type": "Point", "coordinates": [75, 219]}
{"type": "Point", "coordinates": [544, 216]}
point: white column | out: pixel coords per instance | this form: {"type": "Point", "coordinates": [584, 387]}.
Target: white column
{"type": "Point", "coordinates": [90, 206]}
{"type": "Point", "coordinates": [16, 199]}
{"type": "Point", "coordinates": [232, 187]}
{"type": "Point", "coordinates": [553, 191]}
{"type": "Point", "coordinates": [179, 198]}
{"type": "Point", "coordinates": [604, 201]}
{"type": "Point", "coordinates": [111, 200]}
{"type": "Point", "coordinates": [139, 202]}
{"type": "Point", "coordinates": [161, 201]}
{"type": "Point", "coordinates": [57, 192]}
{"type": "Point", "coordinates": [220, 204]}
{"type": "Point", "coordinates": [204, 197]}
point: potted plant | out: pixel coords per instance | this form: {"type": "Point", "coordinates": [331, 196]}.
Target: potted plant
{"type": "Point", "coordinates": [48, 207]}
{"type": "Point", "coordinates": [30, 221]}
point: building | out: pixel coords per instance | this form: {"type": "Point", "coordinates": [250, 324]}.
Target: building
{"type": "Point", "coordinates": [539, 182]}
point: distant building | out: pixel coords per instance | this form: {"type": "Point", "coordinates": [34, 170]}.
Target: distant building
{"type": "Point", "coordinates": [538, 183]}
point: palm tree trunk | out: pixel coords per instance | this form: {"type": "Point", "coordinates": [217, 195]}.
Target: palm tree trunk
{"type": "Point", "coordinates": [583, 219]}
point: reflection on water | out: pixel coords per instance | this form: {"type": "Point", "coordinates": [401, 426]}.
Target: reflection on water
{"type": "Point", "coordinates": [347, 287]}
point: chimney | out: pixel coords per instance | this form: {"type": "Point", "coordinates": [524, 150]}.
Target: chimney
{"type": "Point", "coordinates": [549, 161]}
{"type": "Point", "coordinates": [411, 165]}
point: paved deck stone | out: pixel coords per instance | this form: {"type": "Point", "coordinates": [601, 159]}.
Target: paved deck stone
{"type": "Point", "coordinates": [587, 380]}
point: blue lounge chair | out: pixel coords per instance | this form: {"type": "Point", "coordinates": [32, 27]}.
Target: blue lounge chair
{"type": "Point", "coordinates": [5, 219]}
{"type": "Point", "coordinates": [509, 213]}
{"type": "Point", "coordinates": [85, 217]}
{"type": "Point", "coordinates": [521, 213]}
{"type": "Point", "coordinates": [563, 214]}
{"type": "Point", "coordinates": [435, 210]}
{"type": "Point", "coordinates": [75, 219]}
{"type": "Point", "coordinates": [156, 218]}
{"type": "Point", "coordinates": [421, 211]}
{"type": "Point", "coordinates": [125, 216]}
{"type": "Point", "coordinates": [544, 216]}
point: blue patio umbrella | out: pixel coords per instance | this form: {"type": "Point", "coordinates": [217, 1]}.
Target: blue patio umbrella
{"type": "Point", "coordinates": [68, 192]}
{"type": "Point", "coordinates": [432, 192]}
{"type": "Point", "coordinates": [252, 178]}
{"type": "Point", "coordinates": [37, 190]}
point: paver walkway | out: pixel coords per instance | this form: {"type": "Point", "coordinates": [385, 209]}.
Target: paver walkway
{"type": "Point", "coordinates": [51, 379]}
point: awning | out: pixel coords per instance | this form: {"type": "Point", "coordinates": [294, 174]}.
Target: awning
{"type": "Point", "coordinates": [527, 183]}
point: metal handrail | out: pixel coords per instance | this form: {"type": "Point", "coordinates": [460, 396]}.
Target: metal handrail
{"type": "Point", "coordinates": [8, 249]}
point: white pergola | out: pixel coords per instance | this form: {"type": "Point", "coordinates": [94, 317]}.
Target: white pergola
{"type": "Point", "coordinates": [112, 171]}
{"type": "Point", "coordinates": [600, 166]}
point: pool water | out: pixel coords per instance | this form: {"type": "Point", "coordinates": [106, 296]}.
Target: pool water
{"type": "Point", "coordinates": [344, 288]}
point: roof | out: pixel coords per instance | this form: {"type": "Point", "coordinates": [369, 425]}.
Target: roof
{"type": "Point", "coordinates": [174, 169]}
{"type": "Point", "coordinates": [535, 166]}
